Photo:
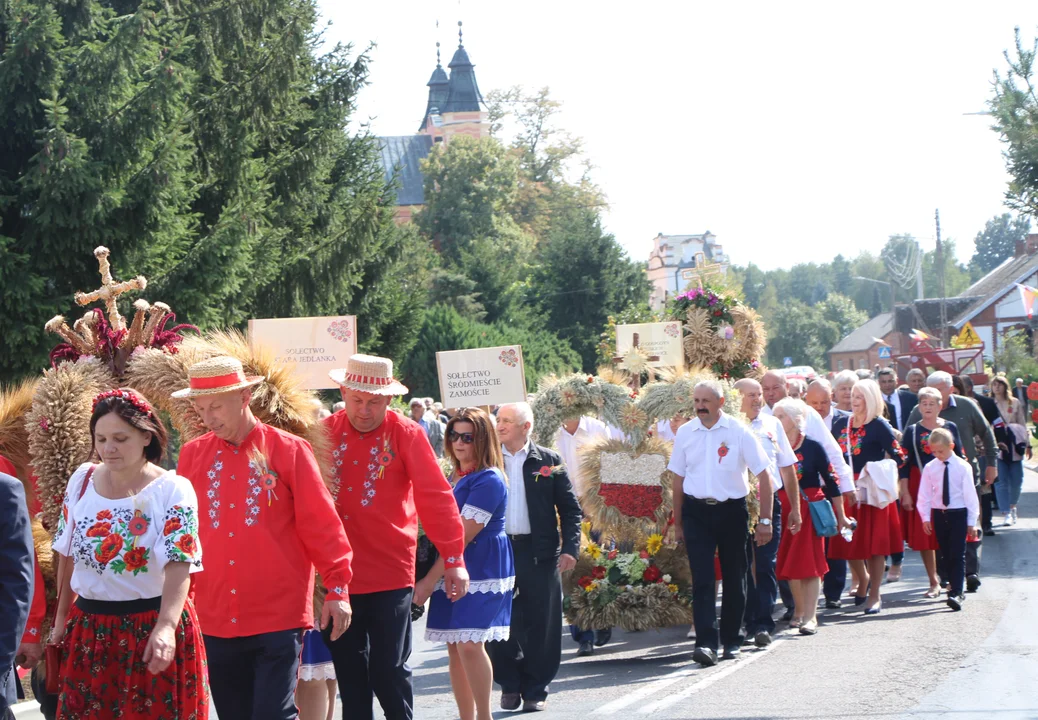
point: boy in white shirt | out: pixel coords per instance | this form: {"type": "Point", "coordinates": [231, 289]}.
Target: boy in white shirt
{"type": "Point", "coordinates": [948, 506]}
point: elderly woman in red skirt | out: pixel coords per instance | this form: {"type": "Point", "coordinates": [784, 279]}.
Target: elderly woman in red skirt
{"type": "Point", "coordinates": [866, 437]}
{"type": "Point", "coordinates": [915, 441]}
{"type": "Point", "coordinates": [801, 556]}
{"type": "Point", "coordinates": [128, 540]}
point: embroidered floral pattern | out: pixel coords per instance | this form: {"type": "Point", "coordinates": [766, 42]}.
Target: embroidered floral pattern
{"type": "Point", "coordinates": [338, 458]}
{"type": "Point", "coordinates": [851, 438]}
{"type": "Point", "coordinates": [213, 493]}
{"type": "Point", "coordinates": [380, 459]}
{"type": "Point", "coordinates": [179, 534]}
{"type": "Point", "coordinates": [798, 466]}
{"type": "Point", "coordinates": [472, 512]}
{"type": "Point", "coordinates": [252, 502]}
{"type": "Point", "coordinates": [924, 442]}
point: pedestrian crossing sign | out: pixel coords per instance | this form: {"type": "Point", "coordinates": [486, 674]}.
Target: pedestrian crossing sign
{"type": "Point", "coordinates": [967, 337]}
{"type": "Point", "coordinates": [884, 352]}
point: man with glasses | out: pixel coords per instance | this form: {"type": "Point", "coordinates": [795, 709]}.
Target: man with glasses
{"type": "Point", "coordinates": [539, 506]}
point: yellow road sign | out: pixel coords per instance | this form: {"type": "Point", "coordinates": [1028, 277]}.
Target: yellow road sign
{"type": "Point", "coordinates": [967, 337]}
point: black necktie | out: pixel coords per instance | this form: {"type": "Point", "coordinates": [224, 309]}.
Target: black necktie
{"type": "Point", "coordinates": [946, 496]}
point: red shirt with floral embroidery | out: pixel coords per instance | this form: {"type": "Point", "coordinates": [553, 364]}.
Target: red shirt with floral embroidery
{"type": "Point", "coordinates": [384, 480]}
{"type": "Point", "coordinates": [265, 520]}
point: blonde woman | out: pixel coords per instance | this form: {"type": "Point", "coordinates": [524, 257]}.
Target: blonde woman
{"type": "Point", "coordinates": [866, 437]}
{"type": "Point", "coordinates": [1010, 460]}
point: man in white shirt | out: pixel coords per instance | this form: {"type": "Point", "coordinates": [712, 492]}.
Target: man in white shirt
{"type": "Point", "coordinates": [762, 585]}
{"type": "Point", "coordinates": [668, 429]}
{"type": "Point", "coordinates": [708, 468]}
{"type": "Point", "coordinates": [527, 662]}
{"type": "Point", "coordinates": [574, 434]}
{"type": "Point", "coordinates": [774, 388]}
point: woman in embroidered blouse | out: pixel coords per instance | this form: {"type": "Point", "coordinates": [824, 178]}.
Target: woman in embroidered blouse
{"type": "Point", "coordinates": [866, 437]}
{"type": "Point", "coordinates": [801, 556]}
{"type": "Point", "coordinates": [131, 642]}
{"type": "Point", "coordinates": [917, 451]}
{"type": "Point", "coordinates": [485, 613]}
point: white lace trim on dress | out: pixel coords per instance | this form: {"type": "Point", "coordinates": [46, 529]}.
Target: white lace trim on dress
{"type": "Point", "coordinates": [321, 671]}
{"type": "Point", "coordinates": [474, 513]}
{"type": "Point", "coordinates": [490, 585]}
{"type": "Point", "coordinates": [474, 635]}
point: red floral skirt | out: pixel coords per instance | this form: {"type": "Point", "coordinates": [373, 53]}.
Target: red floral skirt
{"type": "Point", "coordinates": [104, 675]}
{"type": "Point", "coordinates": [878, 533]}
{"type": "Point", "coordinates": [801, 556]}
{"type": "Point", "coordinates": [911, 523]}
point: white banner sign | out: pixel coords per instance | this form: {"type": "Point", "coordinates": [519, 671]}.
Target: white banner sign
{"type": "Point", "coordinates": [313, 346]}
{"type": "Point", "coordinates": [484, 376]}
{"type": "Point", "coordinates": [661, 339]}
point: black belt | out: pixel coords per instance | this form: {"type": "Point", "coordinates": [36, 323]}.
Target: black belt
{"type": "Point", "coordinates": [118, 607]}
{"type": "Point", "coordinates": [521, 538]}
{"type": "Point", "coordinates": [948, 510]}
{"type": "Point", "coordinates": [712, 501]}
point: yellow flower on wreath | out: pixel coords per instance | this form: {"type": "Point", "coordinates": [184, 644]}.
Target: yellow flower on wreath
{"type": "Point", "coordinates": [673, 588]}
{"type": "Point", "coordinates": [594, 550]}
{"type": "Point", "coordinates": [654, 543]}
{"type": "Point", "coordinates": [585, 527]}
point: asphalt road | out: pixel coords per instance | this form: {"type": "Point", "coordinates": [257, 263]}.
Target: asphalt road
{"type": "Point", "coordinates": [915, 660]}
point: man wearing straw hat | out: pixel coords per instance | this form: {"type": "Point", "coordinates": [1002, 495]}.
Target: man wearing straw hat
{"type": "Point", "coordinates": [386, 477]}
{"type": "Point", "coordinates": [266, 519]}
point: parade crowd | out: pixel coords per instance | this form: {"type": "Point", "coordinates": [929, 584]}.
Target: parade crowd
{"type": "Point", "coordinates": [241, 578]}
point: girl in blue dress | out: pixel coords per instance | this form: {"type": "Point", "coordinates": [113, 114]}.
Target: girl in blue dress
{"type": "Point", "coordinates": [483, 615]}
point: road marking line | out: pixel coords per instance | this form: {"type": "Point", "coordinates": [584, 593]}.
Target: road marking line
{"type": "Point", "coordinates": [647, 690]}
{"type": "Point", "coordinates": [705, 682]}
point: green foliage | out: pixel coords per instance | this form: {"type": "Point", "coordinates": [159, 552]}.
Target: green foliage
{"type": "Point", "coordinates": [797, 330]}
{"type": "Point", "coordinates": [203, 143]}
{"type": "Point", "coordinates": [1015, 358]}
{"type": "Point", "coordinates": [581, 276]}
{"type": "Point", "coordinates": [997, 241]}
{"type": "Point", "coordinates": [1015, 110]}
{"type": "Point", "coordinates": [444, 329]}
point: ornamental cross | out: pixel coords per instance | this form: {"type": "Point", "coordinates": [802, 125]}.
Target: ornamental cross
{"type": "Point", "coordinates": [701, 270]}
{"type": "Point", "coordinates": [636, 377]}
{"type": "Point", "coordinates": [110, 290]}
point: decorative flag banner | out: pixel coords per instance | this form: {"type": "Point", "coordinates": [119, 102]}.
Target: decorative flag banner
{"type": "Point", "coordinates": [483, 376]}
{"type": "Point", "coordinates": [1027, 297]}
{"type": "Point", "coordinates": [313, 345]}
{"type": "Point", "coordinates": [662, 340]}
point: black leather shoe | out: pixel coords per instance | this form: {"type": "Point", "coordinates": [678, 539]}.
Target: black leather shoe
{"type": "Point", "coordinates": [955, 602]}
{"type": "Point", "coordinates": [705, 656]}
{"type": "Point", "coordinates": [762, 639]}
{"type": "Point", "coordinates": [858, 600]}
{"type": "Point", "coordinates": [602, 637]}
{"type": "Point", "coordinates": [989, 533]}
{"type": "Point", "coordinates": [788, 615]}
{"type": "Point", "coordinates": [511, 701]}
{"type": "Point", "coordinates": [972, 583]}
{"type": "Point", "coordinates": [731, 652]}
{"type": "Point", "coordinates": [833, 604]}
{"type": "Point", "coordinates": [586, 648]}
{"type": "Point", "coordinates": [535, 705]}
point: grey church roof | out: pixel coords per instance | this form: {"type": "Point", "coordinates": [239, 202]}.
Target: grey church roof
{"type": "Point", "coordinates": [401, 159]}
{"type": "Point", "coordinates": [462, 91]}
{"type": "Point", "coordinates": [438, 90]}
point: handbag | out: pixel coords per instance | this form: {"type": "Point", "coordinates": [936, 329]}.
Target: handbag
{"type": "Point", "coordinates": [822, 516]}
{"type": "Point", "coordinates": [52, 652]}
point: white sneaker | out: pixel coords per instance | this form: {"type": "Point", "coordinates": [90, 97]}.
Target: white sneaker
{"type": "Point", "coordinates": [1012, 514]}
{"type": "Point", "coordinates": [1007, 519]}
{"type": "Point", "coordinates": [691, 633]}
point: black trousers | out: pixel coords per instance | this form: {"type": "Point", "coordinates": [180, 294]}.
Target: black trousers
{"type": "Point", "coordinates": [254, 677]}
{"type": "Point", "coordinates": [371, 657]}
{"type": "Point", "coordinates": [528, 661]}
{"type": "Point", "coordinates": [949, 527]}
{"type": "Point", "coordinates": [722, 527]}
{"type": "Point", "coordinates": [763, 591]}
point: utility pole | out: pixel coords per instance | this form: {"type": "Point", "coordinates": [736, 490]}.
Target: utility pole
{"type": "Point", "coordinates": [939, 260]}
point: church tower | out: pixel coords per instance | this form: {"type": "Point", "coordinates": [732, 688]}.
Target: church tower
{"type": "Point", "coordinates": [460, 105]}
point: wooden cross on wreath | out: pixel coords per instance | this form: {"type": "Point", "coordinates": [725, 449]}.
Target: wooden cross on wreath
{"type": "Point", "coordinates": [635, 361]}
{"type": "Point", "coordinates": [110, 290]}
{"type": "Point", "coordinates": [701, 270]}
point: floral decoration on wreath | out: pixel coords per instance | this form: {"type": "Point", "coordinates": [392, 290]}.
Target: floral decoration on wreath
{"type": "Point", "coordinates": [721, 333]}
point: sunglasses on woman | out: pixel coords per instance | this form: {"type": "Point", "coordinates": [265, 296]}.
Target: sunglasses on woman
{"type": "Point", "coordinates": [467, 438]}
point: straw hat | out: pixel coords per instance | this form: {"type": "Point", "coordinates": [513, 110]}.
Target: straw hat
{"type": "Point", "coordinates": [216, 375]}
{"type": "Point", "coordinates": [370, 374]}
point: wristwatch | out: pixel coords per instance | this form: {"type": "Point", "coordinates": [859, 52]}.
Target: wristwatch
{"type": "Point", "coordinates": [766, 522]}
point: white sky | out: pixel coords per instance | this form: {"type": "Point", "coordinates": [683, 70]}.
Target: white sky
{"type": "Point", "coordinates": [793, 131]}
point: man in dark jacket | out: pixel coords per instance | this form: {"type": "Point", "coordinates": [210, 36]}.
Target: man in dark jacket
{"type": "Point", "coordinates": [987, 406]}
{"type": "Point", "coordinates": [16, 576]}
{"type": "Point", "coordinates": [899, 402]}
{"type": "Point", "coordinates": [538, 501]}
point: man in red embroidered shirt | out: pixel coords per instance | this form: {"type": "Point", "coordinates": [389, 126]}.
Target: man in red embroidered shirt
{"type": "Point", "coordinates": [385, 471]}
{"type": "Point", "coordinates": [265, 520]}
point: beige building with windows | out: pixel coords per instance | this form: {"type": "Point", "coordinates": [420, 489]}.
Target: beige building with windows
{"type": "Point", "coordinates": [673, 254]}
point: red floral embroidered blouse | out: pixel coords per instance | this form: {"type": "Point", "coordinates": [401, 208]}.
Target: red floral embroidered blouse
{"type": "Point", "coordinates": [261, 545]}
{"type": "Point", "coordinates": [385, 480]}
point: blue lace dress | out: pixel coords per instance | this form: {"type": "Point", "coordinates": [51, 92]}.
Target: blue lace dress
{"type": "Point", "coordinates": [485, 613]}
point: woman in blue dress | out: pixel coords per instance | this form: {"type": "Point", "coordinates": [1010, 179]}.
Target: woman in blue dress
{"type": "Point", "coordinates": [483, 615]}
